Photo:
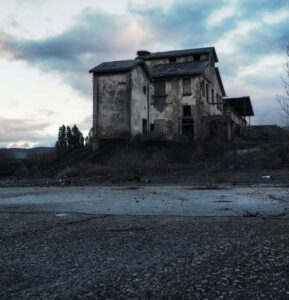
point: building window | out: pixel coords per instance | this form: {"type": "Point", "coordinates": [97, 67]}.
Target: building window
{"type": "Point", "coordinates": [160, 87]}
{"type": "Point", "coordinates": [203, 88]}
{"type": "Point", "coordinates": [187, 86]}
{"type": "Point", "coordinates": [144, 89]}
{"type": "Point", "coordinates": [207, 93]}
{"type": "Point", "coordinates": [144, 126]}
{"type": "Point", "coordinates": [187, 111]}
{"type": "Point", "coordinates": [213, 96]}
{"type": "Point", "coordinates": [197, 57]}
{"type": "Point", "coordinates": [218, 102]}
{"type": "Point", "coordinates": [152, 127]}
{"type": "Point", "coordinates": [172, 59]}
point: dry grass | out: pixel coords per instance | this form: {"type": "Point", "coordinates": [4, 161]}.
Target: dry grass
{"type": "Point", "coordinates": [124, 162]}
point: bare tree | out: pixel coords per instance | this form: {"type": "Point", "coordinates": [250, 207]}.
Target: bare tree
{"type": "Point", "coordinates": [284, 99]}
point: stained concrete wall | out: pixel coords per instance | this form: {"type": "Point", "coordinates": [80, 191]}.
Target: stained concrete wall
{"type": "Point", "coordinates": [139, 100]}
{"type": "Point", "coordinates": [210, 108]}
{"type": "Point", "coordinates": [113, 105]}
{"type": "Point", "coordinates": [168, 110]}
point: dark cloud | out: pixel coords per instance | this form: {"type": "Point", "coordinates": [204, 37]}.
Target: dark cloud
{"type": "Point", "coordinates": [93, 39]}
{"type": "Point", "coordinates": [23, 131]}
{"type": "Point", "coordinates": [186, 23]}
{"type": "Point", "coordinates": [97, 37]}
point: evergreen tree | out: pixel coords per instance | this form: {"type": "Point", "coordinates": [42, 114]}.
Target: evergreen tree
{"type": "Point", "coordinates": [88, 139]}
{"type": "Point", "coordinates": [77, 138]}
{"type": "Point", "coordinates": [69, 138]}
{"type": "Point", "coordinates": [61, 144]}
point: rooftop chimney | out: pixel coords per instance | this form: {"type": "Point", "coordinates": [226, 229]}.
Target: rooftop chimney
{"type": "Point", "coordinates": [143, 53]}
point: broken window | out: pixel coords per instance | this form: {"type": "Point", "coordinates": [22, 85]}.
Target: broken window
{"type": "Point", "coordinates": [203, 88]}
{"type": "Point", "coordinates": [172, 59]}
{"type": "Point", "coordinates": [187, 111]}
{"type": "Point", "coordinates": [207, 93]}
{"type": "Point", "coordinates": [187, 86]}
{"type": "Point", "coordinates": [197, 57]}
{"type": "Point", "coordinates": [144, 89]}
{"type": "Point", "coordinates": [160, 87]}
{"type": "Point", "coordinates": [152, 127]}
{"type": "Point", "coordinates": [213, 96]}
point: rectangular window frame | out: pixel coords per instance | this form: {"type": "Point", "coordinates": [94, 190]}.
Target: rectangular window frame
{"type": "Point", "coordinates": [187, 87]}
{"type": "Point", "coordinates": [160, 87]}
{"type": "Point", "coordinates": [187, 110]}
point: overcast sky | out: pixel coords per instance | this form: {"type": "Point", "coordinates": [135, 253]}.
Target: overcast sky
{"type": "Point", "coordinates": [48, 46]}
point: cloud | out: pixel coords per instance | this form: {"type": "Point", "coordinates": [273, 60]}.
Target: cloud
{"type": "Point", "coordinates": [94, 38]}
{"type": "Point", "coordinates": [244, 32]}
{"type": "Point", "coordinates": [23, 132]}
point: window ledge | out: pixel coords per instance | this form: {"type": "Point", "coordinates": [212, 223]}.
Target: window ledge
{"type": "Point", "coordinates": [187, 94]}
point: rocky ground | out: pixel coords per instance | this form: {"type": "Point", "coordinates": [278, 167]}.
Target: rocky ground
{"type": "Point", "coordinates": [82, 256]}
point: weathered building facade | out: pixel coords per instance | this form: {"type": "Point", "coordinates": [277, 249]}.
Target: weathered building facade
{"type": "Point", "coordinates": [169, 95]}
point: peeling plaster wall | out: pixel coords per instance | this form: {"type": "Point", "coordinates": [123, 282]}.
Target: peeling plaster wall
{"type": "Point", "coordinates": [211, 78]}
{"type": "Point", "coordinates": [113, 105]}
{"type": "Point", "coordinates": [169, 109]}
{"type": "Point", "coordinates": [139, 100]}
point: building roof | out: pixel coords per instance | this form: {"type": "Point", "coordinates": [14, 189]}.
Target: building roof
{"type": "Point", "coordinates": [178, 69]}
{"type": "Point", "coordinates": [147, 55]}
{"type": "Point", "coordinates": [114, 66]}
{"type": "Point", "coordinates": [242, 105]}
{"type": "Point", "coordinates": [119, 66]}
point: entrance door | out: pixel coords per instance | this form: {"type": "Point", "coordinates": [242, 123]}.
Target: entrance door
{"type": "Point", "coordinates": [188, 128]}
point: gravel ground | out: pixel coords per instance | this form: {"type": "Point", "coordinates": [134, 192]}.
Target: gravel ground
{"type": "Point", "coordinates": [73, 256]}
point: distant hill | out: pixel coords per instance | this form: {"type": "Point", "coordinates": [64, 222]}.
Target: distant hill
{"type": "Point", "coordinates": [21, 153]}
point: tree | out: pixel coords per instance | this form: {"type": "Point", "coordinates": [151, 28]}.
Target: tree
{"type": "Point", "coordinates": [77, 138]}
{"type": "Point", "coordinates": [61, 144]}
{"type": "Point", "coordinates": [88, 139]}
{"type": "Point", "coordinates": [69, 138]}
{"type": "Point", "coordinates": [284, 99]}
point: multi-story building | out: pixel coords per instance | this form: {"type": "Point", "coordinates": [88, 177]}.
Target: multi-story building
{"type": "Point", "coordinates": [170, 95]}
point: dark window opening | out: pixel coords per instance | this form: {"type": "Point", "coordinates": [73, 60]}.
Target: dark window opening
{"type": "Point", "coordinates": [172, 59]}
{"type": "Point", "coordinates": [203, 88]}
{"type": "Point", "coordinates": [144, 126]}
{"type": "Point", "coordinates": [152, 127]}
{"type": "Point", "coordinates": [160, 87]}
{"type": "Point", "coordinates": [187, 86]}
{"type": "Point", "coordinates": [187, 111]}
{"type": "Point", "coordinates": [213, 96]}
{"type": "Point", "coordinates": [207, 93]}
{"type": "Point", "coordinates": [197, 57]}
{"type": "Point", "coordinates": [188, 127]}
{"type": "Point", "coordinates": [144, 89]}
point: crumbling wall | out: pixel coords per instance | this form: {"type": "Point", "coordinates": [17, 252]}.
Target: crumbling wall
{"type": "Point", "coordinates": [164, 111]}
{"type": "Point", "coordinates": [113, 105]}
{"type": "Point", "coordinates": [139, 102]}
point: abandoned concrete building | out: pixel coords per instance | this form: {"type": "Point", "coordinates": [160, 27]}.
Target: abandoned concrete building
{"type": "Point", "coordinates": [168, 95]}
